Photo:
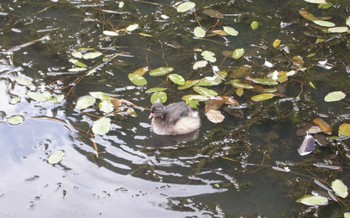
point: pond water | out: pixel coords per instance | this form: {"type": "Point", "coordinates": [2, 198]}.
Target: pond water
{"type": "Point", "coordinates": [224, 170]}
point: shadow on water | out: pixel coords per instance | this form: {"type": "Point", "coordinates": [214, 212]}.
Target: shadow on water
{"type": "Point", "coordinates": [224, 170]}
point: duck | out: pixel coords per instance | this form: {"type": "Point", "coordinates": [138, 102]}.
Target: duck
{"type": "Point", "coordinates": [174, 119]}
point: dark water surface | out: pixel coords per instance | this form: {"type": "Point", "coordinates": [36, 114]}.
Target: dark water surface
{"type": "Point", "coordinates": [225, 172]}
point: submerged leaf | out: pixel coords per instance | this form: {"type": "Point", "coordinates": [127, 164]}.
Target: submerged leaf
{"type": "Point", "coordinates": [101, 126]}
{"type": "Point", "coordinates": [213, 13]}
{"type": "Point", "coordinates": [15, 119]}
{"type": "Point", "coordinates": [311, 200]}
{"type": "Point", "coordinates": [339, 188]}
{"type": "Point", "coordinates": [334, 96]}
{"type": "Point", "coordinates": [185, 6]}
{"type": "Point", "coordinates": [56, 157]}
{"type": "Point", "coordinates": [161, 71]}
{"type": "Point", "coordinates": [307, 15]}
{"type": "Point", "coordinates": [84, 102]}
{"type": "Point", "coordinates": [344, 129]}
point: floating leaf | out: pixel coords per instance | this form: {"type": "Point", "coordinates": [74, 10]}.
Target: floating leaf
{"type": "Point", "coordinates": [131, 112]}
{"type": "Point", "coordinates": [137, 80]}
{"type": "Point", "coordinates": [85, 102]}
{"type": "Point", "coordinates": [77, 69]}
{"type": "Point", "coordinates": [238, 53]}
{"type": "Point", "coordinates": [348, 21]}
{"type": "Point", "coordinates": [92, 55]}
{"type": "Point", "coordinates": [199, 32]}
{"type": "Point", "coordinates": [160, 97]}
{"type": "Point", "coordinates": [205, 92]}
{"type": "Point", "coordinates": [324, 23]}
{"type": "Point", "coordinates": [15, 100]}
{"type": "Point", "coordinates": [15, 119]}
{"type": "Point", "coordinates": [334, 96]}
{"type": "Point", "coordinates": [23, 81]}
{"type": "Point", "coordinates": [116, 103]}
{"type": "Point", "coordinates": [185, 6]}
{"type": "Point", "coordinates": [210, 81]}
{"type": "Point", "coordinates": [106, 106]}
{"type": "Point", "coordinates": [325, 6]}
{"type": "Point", "coordinates": [177, 79]}
{"type": "Point", "coordinates": [132, 27]}
{"type": "Point", "coordinates": [45, 96]}
{"type": "Point", "coordinates": [161, 71]}
{"type": "Point", "coordinates": [324, 126]}
{"type": "Point", "coordinates": [141, 71]}
{"type": "Point", "coordinates": [237, 84]}
{"type": "Point", "coordinates": [213, 13]}
{"type": "Point", "coordinates": [263, 81]}
{"type": "Point", "coordinates": [339, 188]}
{"type": "Point", "coordinates": [344, 129]}
{"type": "Point", "coordinates": [231, 31]}
{"type": "Point", "coordinates": [156, 89]}
{"type": "Point", "coordinates": [56, 157]}
{"type": "Point", "coordinates": [263, 97]}
{"type": "Point", "coordinates": [254, 25]}
{"type": "Point", "coordinates": [307, 15]}
{"type": "Point", "coordinates": [100, 95]}
{"type": "Point", "coordinates": [347, 215]}
{"type": "Point", "coordinates": [195, 97]}
{"type": "Point", "coordinates": [110, 33]}
{"type": "Point", "coordinates": [215, 116]}
{"type": "Point", "coordinates": [77, 63]}
{"type": "Point", "coordinates": [311, 200]}
{"type": "Point", "coordinates": [276, 43]}
{"type": "Point", "coordinates": [316, 1]}
{"type": "Point", "coordinates": [307, 146]}
{"type": "Point", "coordinates": [209, 56]}
{"type": "Point", "coordinates": [200, 64]}
{"type": "Point", "coordinates": [101, 126]}
{"type": "Point", "coordinates": [188, 84]}
{"type": "Point", "coordinates": [77, 54]}
{"type": "Point", "coordinates": [339, 29]}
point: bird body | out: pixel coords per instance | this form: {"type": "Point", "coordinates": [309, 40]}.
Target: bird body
{"type": "Point", "coordinates": [174, 119]}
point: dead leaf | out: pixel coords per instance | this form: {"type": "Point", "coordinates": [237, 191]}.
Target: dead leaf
{"type": "Point", "coordinates": [215, 116]}
{"type": "Point", "coordinates": [213, 13]}
{"type": "Point", "coordinates": [214, 104]}
{"type": "Point", "coordinates": [324, 126]}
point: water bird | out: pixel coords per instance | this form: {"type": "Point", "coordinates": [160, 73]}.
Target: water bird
{"type": "Point", "coordinates": [174, 119]}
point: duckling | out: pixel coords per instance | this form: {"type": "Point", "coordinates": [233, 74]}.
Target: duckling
{"type": "Point", "coordinates": [174, 119]}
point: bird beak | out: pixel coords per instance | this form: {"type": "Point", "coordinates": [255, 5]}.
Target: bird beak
{"type": "Point", "coordinates": [150, 116]}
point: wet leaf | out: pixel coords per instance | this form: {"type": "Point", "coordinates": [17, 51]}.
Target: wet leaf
{"type": "Point", "coordinates": [339, 188]}
{"type": "Point", "coordinates": [276, 43]}
{"type": "Point", "coordinates": [307, 15]}
{"type": "Point", "coordinates": [238, 53]}
{"type": "Point", "coordinates": [215, 116]}
{"type": "Point", "coordinates": [311, 200]}
{"type": "Point", "coordinates": [161, 71]}
{"type": "Point", "coordinates": [156, 89]}
{"type": "Point", "coordinates": [205, 92]}
{"type": "Point", "coordinates": [344, 129]}
{"type": "Point", "coordinates": [214, 104]}
{"type": "Point", "coordinates": [237, 84]}
{"type": "Point", "coordinates": [137, 80]}
{"type": "Point", "coordinates": [231, 31]}
{"type": "Point", "coordinates": [185, 6]}
{"type": "Point", "coordinates": [340, 29]}
{"type": "Point", "coordinates": [219, 32]}
{"type": "Point", "coordinates": [131, 112]}
{"type": "Point", "coordinates": [213, 13]}
{"type": "Point", "coordinates": [85, 102]}
{"type": "Point", "coordinates": [307, 146]}
{"type": "Point", "coordinates": [316, 1]}
{"type": "Point", "coordinates": [254, 25]}
{"type": "Point", "coordinates": [141, 71]}
{"type": "Point", "coordinates": [159, 97]}
{"type": "Point", "coordinates": [210, 81]}
{"type": "Point", "coordinates": [177, 79]}
{"type": "Point", "coordinates": [77, 63]}
{"type": "Point", "coordinates": [91, 55]}
{"type": "Point", "coordinates": [106, 106]}
{"type": "Point", "coordinates": [325, 6]}
{"type": "Point", "coordinates": [132, 27]}
{"type": "Point", "coordinates": [334, 96]}
{"type": "Point", "coordinates": [116, 103]}
{"type": "Point", "coordinates": [36, 96]}
{"type": "Point", "coordinates": [15, 119]}
{"type": "Point", "coordinates": [110, 33]}
{"type": "Point", "coordinates": [56, 157]}
{"type": "Point", "coordinates": [324, 23]}
{"type": "Point", "coordinates": [324, 126]}
{"type": "Point", "coordinates": [99, 95]}
{"type": "Point", "coordinates": [199, 64]}
{"type": "Point", "coordinates": [209, 56]}
{"type": "Point", "coordinates": [199, 32]}
{"type": "Point", "coordinates": [101, 126]}
{"type": "Point", "coordinates": [263, 97]}
{"type": "Point", "coordinates": [188, 84]}
{"type": "Point", "coordinates": [239, 92]}
{"type": "Point", "coordinates": [23, 81]}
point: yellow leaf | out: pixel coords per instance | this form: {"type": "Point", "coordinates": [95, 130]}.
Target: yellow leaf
{"type": "Point", "coordinates": [276, 43]}
{"type": "Point", "coordinates": [239, 92]}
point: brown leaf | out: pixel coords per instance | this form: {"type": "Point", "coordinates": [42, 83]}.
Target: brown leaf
{"type": "Point", "coordinates": [215, 116]}
{"type": "Point", "coordinates": [230, 100]}
{"type": "Point", "coordinates": [116, 103]}
{"type": "Point", "coordinates": [213, 13]}
{"type": "Point", "coordinates": [307, 15]}
{"type": "Point", "coordinates": [214, 104]}
{"type": "Point", "coordinates": [325, 127]}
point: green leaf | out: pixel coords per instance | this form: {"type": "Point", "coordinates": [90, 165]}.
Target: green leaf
{"type": "Point", "coordinates": [161, 71]}
{"type": "Point", "coordinates": [339, 29]}
{"type": "Point", "coordinates": [237, 84]}
{"type": "Point", "coordinates": [316, 1]}
{"type": "Point", "coordinates": [159, 97]}
{"type": "Point", "coordinates": [199, 32]}
{"type": "Point", "coordinates": [339, 188]}
{"type": "Point", "coordinates": [177, 79]}
{"type": "Point", "coordinates": [231, 31]}
{"type": "Point", "coordinates": [238, 53]}
{"type": "Point", "coordinates": [254, 25]}
{"type": "Point", "coordinates": [77, 54]}
{"type": "Point", "coordinates": [311, 200]}
{"type": "Point", "coordinates": [77, 63]}
{"type": "Point", "coordinates": [92, 55]}
{"type": "Point", "coordinates": [195, 97]}
{"type": "Point", "coordinates": [156, 89]}
{"type": "Point", "coordinates": [324, 23]}
{"type": "Point", "coordinates": [264, 81]}
{"type": "Point", "coordinates": [45, 96]}
{"type": "Point", "coordinates": [210, 81]}
{"type": "Point", "coordinates": [137, 80]}
{"type": "Point", "coordinates": [347, 215]}
{"type": "Point", "coordinates": [200, 64]}
{"type": "Point", "coordinates": [209, 56]}
{"type": "Point", "coordinates": [334, 96]}
{"type": "Point", "coordinates": [188, 84]}
{"type": "Point", "coordinates": [56, 157]}
{"type": "Point", "coordinates": [15, 119]}
{"type": "Point", "coordinates": [205, 92]}
{"type": "Point", "coordinates": [101, 126]}
{"type": "Point", "coordinates": [14, 100]}
{"type": "Point", "coordinates": [23, 81]}
{"type": "Point", "coordinates": [347, 21]}
{"type": "Point", "coordinates": [344, 129]}
{"type": "Point", "coordinates": [100, 95]}
{"type": "Point", "coordinates": [185, 6]}
{"type": "Point", "coordinates": [85, 102]}
{"type": "Point", "coordinates": [106, 106]}
{"type": "Point", "coordinates": [263, 97]}
{"type": "Point", "coordinates": [325, 6]}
